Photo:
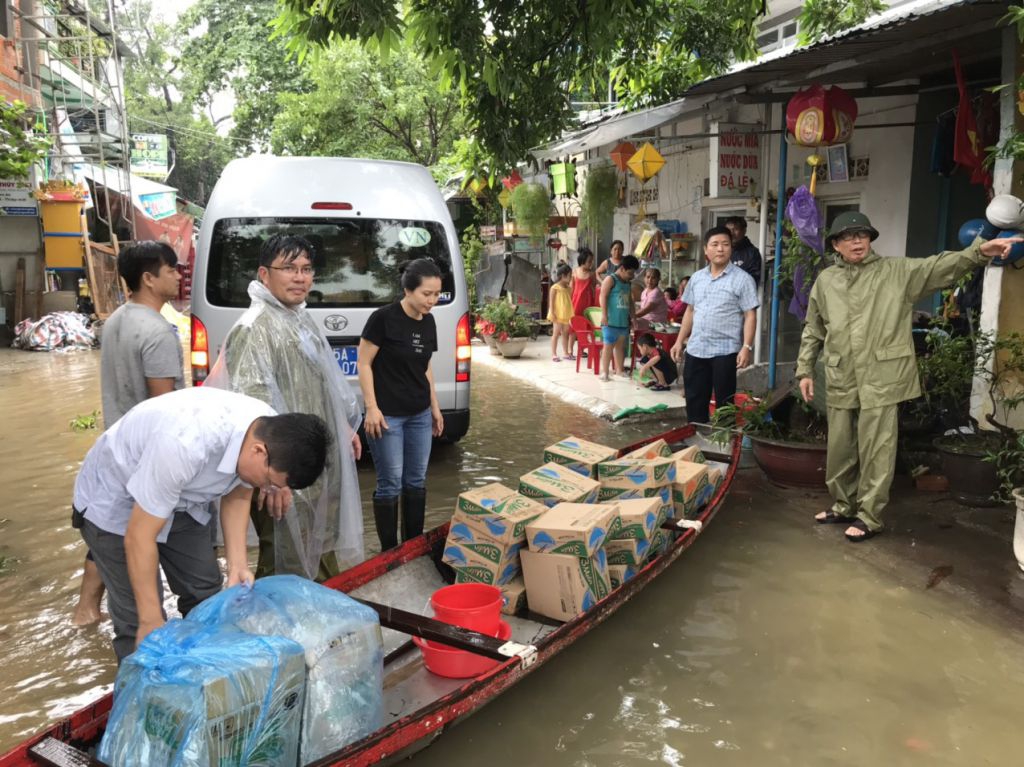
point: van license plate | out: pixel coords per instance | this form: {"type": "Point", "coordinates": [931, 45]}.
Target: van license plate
{"type": "Point", "coordinates": [346, 357]}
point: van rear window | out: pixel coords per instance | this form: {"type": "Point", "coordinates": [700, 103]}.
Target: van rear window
{"type": "Point", "coordinates": [357, 261]}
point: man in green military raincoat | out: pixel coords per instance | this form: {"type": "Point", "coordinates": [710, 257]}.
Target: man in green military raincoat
{"type": "Point", "coordinates": [859, 321]}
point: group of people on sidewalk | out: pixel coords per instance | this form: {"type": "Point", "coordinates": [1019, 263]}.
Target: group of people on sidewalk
{"type": "Point", "coordinates": [715, 307]}
{"type": "Point", "coordinates": [269, 442]}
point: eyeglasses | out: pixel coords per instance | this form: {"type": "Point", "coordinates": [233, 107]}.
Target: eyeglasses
{"type": "Point", "coordinates": [269, 487]}
{"type": "Point", "coordinates": [851, 236]}
{"type": "Point", "coordinates": [291, 270]}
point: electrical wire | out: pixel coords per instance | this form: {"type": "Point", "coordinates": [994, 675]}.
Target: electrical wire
{"type": "Point", "coordinates": [187, 131]}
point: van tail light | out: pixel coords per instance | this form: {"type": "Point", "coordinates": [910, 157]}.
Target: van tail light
{"type": "Point", "coordinates": [331, 206]}
{"type": "Point", "coordinates": [200, 352]}
{"type": "Point", "coordinates": [463, 351]}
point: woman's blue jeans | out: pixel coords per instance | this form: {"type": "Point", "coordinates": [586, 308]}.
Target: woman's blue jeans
{"type": "Point", "coordinates": [401, 453]}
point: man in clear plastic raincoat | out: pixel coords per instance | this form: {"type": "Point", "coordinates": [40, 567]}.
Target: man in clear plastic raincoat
{"type": "Point", "coordinates": [277, 353]}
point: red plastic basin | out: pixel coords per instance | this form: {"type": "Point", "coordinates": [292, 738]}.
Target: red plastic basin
{"type": "Point", "coordinates": [458, 664]}
{"type": "Point", "coordinates": [470, 605]}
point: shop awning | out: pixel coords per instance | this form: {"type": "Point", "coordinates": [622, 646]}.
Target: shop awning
{"type": "Point", "coordinates": [617, 128]}
{"type": "Point", "coordinates": [151, 198]}
{"type": "Point", "coordinates": [910, 41]}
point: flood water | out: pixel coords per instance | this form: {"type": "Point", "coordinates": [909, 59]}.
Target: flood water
{"type": "Point", "coordinates": [760, 646]}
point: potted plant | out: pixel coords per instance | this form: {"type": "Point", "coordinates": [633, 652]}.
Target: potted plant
{"type": "Point", "coordinates": [509, 328]}
{"type": "Point", "coordinates": [983, 465]}
{"type": "Point", "coordinates": [600, 195]}
{"type": "Point", "coordinates": [788, 437]}
{"type": "Point", "coordinates": [485, 328]}
{"type": "Point", "coordinates": [531, 207]}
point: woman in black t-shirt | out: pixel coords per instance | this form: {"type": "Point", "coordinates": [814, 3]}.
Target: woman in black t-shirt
{"type": "Point", "coordinates": [402, 412]}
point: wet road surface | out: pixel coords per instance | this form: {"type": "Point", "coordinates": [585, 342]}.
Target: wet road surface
{"type": "Point", "coordinates": [761, 646]}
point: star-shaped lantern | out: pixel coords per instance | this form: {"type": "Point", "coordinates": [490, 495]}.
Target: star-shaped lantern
{"type": "Point", "coordinates": [646, 163]}
{"type": "Point", "coordinates": [512, 180]}
{"type": "Point", "coordinates": [620, 155]}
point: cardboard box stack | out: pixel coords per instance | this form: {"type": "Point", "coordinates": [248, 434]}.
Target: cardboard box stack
{"type": "Point", "coordinates": [487, 532]}
{"type": "Point", "coordinates": [645, 473]}
{"type": "Point", "coordinates": [553, 483]}
{"type": "Point", "coordinates": [579, 455]}
{"type": "Point", "coordinates": [630, 547]}
{"type": "Point", "coordinates": [565, 567]}
{"type": "Point", "coordinates": [692, 488]}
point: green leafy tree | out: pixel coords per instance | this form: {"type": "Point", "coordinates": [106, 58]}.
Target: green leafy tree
{"type": "Point", "coordinates": [820, 18]}
{"type": "Point", "coordinates": [19, 146]}
{"type": "Point", "coordinates": [362, 106]}
{"type": "Point", "coordinates": [152, 87]}
{"type": "Point", "coordinates": [227, 48]}
{"type": "Point", "coordinates": [515, 64]}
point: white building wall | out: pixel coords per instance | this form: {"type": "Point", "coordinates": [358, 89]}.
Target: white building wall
{"type": "Point", "coordinates": [883, 195]}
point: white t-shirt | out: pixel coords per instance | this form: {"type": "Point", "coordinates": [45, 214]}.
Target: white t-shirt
{"type": "Point", "coordinates": [176, 452]}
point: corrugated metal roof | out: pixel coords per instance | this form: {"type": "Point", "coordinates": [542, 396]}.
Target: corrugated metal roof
{"type": "Point", "coordinates": [911, 40]}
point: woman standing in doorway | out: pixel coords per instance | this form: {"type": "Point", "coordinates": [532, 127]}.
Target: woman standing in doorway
{"type": "Point", "coordinates": [614, 259]}
{"type": "Point", "coordinates": [402, 412]}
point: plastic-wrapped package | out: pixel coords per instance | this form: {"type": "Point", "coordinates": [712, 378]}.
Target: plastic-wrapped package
{"type": "Point", "coordinates": [343, 646]}
{"type": "Point", "coordinates": [205, 696]}
{"type": "Point", "coordinates": [281, 356]}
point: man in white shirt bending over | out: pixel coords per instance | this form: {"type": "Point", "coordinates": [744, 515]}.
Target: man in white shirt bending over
{"type": "Point", "coordinates": [142, 498]}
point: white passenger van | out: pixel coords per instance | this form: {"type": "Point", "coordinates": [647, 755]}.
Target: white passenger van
{"type": "Point", "coordinates": [365, 219]}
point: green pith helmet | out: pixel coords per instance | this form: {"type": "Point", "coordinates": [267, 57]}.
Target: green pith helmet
{"type": "Point", "coordinates": [851, 221]}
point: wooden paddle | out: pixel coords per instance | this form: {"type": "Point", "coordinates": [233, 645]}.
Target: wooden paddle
{"type": "Point", "coordinates": [452, 636]}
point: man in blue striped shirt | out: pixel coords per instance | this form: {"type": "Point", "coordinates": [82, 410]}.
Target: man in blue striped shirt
{"type": "Point", "coordinates": [717, 329]}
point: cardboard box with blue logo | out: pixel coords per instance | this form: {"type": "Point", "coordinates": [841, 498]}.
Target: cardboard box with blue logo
{"type": "Point", "coordinates": [552, 484]}
{"type": "Point", "coordinates": [486, 534]}
{"type": "Point", "coordinates": [579, 455]}
{"type": "Point", "coordinates": [565, 567]}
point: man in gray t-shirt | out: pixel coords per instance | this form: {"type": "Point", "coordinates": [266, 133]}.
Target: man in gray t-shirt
{"type": "Point", "coordinates": [140, 358]}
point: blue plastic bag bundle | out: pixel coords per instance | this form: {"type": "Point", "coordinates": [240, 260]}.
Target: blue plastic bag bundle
{"type": "Point", "coordinates": [195, 696]}
{"type": "Point", "coordinates": [343, 648]}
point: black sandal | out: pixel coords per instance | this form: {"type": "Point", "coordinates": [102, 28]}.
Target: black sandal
{"type": "Point", "coordinates": [831, 518]}
{"type": "Point", "coordinates": [867, 532]}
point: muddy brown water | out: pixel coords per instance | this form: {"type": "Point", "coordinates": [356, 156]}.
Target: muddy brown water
{"type": "Point", "coordinates": [759, 647]}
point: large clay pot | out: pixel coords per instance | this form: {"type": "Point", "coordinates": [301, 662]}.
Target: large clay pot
{"type": "Point", "coordinates": [791, 464]}
{"type": "Point", "coordinates": [972, 481]}
{"type": "Point", "coordinates": [513, 347]}
{"type": "Point", "coordinates": [492, 344]}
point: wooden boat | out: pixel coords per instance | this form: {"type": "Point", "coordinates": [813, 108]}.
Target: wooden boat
{"type": "Point", "coordinates": [419, 706]}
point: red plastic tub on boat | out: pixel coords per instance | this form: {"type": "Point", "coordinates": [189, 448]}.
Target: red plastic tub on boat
{"type": "Point", "coordinates": [458, 664]}
{"type": "Point", "coordinates": [470, 605]}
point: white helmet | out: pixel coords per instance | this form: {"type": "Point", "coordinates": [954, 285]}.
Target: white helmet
{"type": "Point", "coordinates": [1005, 211]}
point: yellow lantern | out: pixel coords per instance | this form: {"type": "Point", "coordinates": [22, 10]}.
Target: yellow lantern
{"type": "Point", "coordinates": [504, 198]}
{"type": "Point", "coordinates": [646, 163]}
{"type": "Point", "coordinates": [477, 185]}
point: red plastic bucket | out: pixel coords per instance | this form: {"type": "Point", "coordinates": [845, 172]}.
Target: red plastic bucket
{"type": "Point", "coordinates": [458, 664]}
{"type": "Point", "coordinates": [470, 605]}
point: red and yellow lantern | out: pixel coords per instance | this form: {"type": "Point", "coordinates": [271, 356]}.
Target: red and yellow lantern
{"type": "Point", "coordinates": [819, 117]}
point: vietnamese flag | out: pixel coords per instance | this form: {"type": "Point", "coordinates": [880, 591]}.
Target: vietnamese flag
{"type": "Point", "coordinates": [967, 149]}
